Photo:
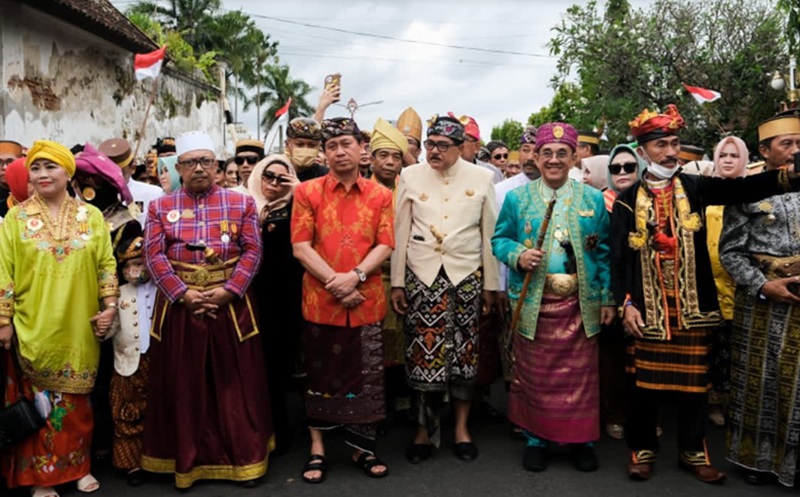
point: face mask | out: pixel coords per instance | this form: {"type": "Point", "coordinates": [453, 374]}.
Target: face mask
{"type": "Point", "coordinates": [660, 171]}
{"type": "Point", "coordinates": [302, 158]}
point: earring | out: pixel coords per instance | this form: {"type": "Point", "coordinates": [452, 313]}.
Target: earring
{"type": "Point", "coordinates": [89, 194]}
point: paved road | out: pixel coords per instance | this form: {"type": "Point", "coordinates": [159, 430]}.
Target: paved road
{"type": "Point", "coordinates": [498, 470]}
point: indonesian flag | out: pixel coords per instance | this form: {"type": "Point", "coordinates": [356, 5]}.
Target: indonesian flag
{"type": "Point", "coordinates": [702, 95]}
{"type": "Point", "coordinates": [282, 115]}
{"type": "Point", "coordinates": [148, 65]}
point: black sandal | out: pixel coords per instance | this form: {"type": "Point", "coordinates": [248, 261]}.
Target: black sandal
{"type": "Point", "coordinates": [315, 463]}
{"type": "Point", "coordinates": [366, 464]}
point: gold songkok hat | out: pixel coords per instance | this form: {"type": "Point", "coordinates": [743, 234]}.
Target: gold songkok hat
{"type": "Point", "coordinates": [690, 153]}
{"type": "Point", "coordinates": [386, 136]}
{"type": "Point", "coordinates": [50, 150]}
{"type": "Point", "coordinates": [11, 147]}
{"type": "Point", "coordinates": [588, 137]}
{"type": "Point", "coordinates": [513, 156]}
{"type": "Point", "coordinates": [410, 124]}
{"type": "Point", "coordinates": [785, 123]}
{"type": "Point", "coordinates": [118, 150]}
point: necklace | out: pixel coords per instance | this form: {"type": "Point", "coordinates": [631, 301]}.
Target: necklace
{"type": "Point", "coordinates": [57, 229]}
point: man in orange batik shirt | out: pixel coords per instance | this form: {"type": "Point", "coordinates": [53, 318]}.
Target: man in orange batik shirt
{"type": "Point", "coordinates": [342, 231]}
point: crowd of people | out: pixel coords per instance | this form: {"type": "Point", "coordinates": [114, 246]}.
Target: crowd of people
{"type": "Point", "coordinates": [160, 311]}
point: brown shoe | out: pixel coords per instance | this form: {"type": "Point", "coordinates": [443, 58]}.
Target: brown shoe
{"type": "Point", "coordinates": [639, 471]}
{"type": "Point", "coordinates": [706, 473]}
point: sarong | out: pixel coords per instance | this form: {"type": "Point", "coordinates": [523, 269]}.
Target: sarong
{"type": "Point", "coordinates": [441, 329]}
{"type": "Point", "coordinates": [208, 403]}
{"type": "Point", "coordinates": [555, 393]}
{"type": "Point", "coordinates": [58, 453]}
{"type": "Point", "coordinates": [128, 405]}
{"type": "Point", "coordinates": [680, 364]}
{"type": "Point", "coordinates": [764, 412]}
{"type": "Point", "coordinates": [345, 380]}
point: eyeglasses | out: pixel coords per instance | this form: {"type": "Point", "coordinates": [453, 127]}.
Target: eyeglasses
{"type": "Point", "coordinates": [205, 162]}
{"type": "Point", "coordinates": [250, 159]}
{"type": "Point", "coordinates": [6, 162]}
{"type": "Point", "coordinates": [560, 155]}
{"type": "Point", "coordinates": [500, 156]}
{"type": "Point", "coordinates": [441, 146]}
{"type": "Point", "coordinates": [271, 177]}
{"type": "Point", "coordinates": [629, 167]}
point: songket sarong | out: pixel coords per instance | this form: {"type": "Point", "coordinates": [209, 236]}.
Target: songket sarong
{"type": "Point", "coordinates": [680, 364]}
{"type": "Point", "coordinates": [441, 328]}
{"type": "Point", "coordinates": [128, 405]}
{"type": "Point", "coordinates": [208, 403]}
{"type": "Point", "coordinates": [764, 412]}
{"type": "Point", "coordinates": [58, 453]}
{"type": "Point", "coordinates": [394, 347]}
{"type": "Point", "coordinates": [345, 381]}
{"type": "Point", "coordinates": [555, 391]}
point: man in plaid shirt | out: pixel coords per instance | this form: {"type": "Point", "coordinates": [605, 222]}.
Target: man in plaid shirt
{"type": "Point", "coordinates": [203, 248]}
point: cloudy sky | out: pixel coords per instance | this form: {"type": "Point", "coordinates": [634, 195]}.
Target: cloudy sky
{"type": "Point", "coordinates": [485, 80]}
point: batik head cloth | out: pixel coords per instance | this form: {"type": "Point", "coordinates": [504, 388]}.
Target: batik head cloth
{"type": "Point", "coordinates": [471, 127]}
{"type": "Point", "coordinates": [528, 136]}
{"type": "Point", "coordinates": [446, 126]}
{"type": "Point", "coordinates": [556, 133]}
{"type": "Point", "coordinates": [55, 152]}
{"type": "Point", "coordinates": [304, 127]}
{"type": "Point", "coordinates": [650, 125]}
{"type": "Point", "coordinates": [339, 126]}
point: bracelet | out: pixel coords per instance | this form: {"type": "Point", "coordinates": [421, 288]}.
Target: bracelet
{"type": "Point", "coordinates": [112, 305]}
{"type": "Point", "coordinates": [4, 321]}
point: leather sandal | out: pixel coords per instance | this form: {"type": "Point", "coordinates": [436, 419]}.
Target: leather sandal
{"type": "Point", "coordinates": [315, 462]}
{"type": "Point", "coordinates": [367, 461]}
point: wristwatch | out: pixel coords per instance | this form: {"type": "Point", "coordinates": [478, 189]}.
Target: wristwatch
{"type": "Point", "coordinates": [362, 277]}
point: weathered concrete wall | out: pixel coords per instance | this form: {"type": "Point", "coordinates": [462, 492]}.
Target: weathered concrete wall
{"type": "Point", "coordinates": [65, 84]}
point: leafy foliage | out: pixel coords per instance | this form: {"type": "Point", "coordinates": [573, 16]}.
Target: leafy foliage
{"type": "Point", "coordinates": [509, 132]}
{"type": "Point", "coordinates": [612, 65]}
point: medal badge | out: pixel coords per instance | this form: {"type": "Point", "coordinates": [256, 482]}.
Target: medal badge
{"type": "Point", "coordinates": [173, 216]}
{"type": "Point", "coordinates": [225, 238]}
{"type": "Point", "coordinates": [34, 224]}
{"type": "Point", "coordinates": [187, 214]}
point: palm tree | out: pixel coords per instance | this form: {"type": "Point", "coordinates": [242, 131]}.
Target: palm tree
{"type": "Point", "coordinates": [278, 88]}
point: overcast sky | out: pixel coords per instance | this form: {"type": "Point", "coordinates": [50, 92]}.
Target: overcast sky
{"type": "Point", "coordinates": [489, 86]}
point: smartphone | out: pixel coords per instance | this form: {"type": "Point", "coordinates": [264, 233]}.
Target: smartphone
{"type": "Point", "coordinates": [797, 162]}
{"type": "Point", "coordinates": [333, 81]}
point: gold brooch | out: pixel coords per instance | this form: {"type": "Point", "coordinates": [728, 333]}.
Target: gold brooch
{"type": "Point", "coordinates": [423, 197]}
{"type": "Point", "coordinates": [470, 193]}
{"type": "Point", "coordinates": [558, 132]}
{"type": "Point", "coordinates": [589, 213]}
{"type": "Point", "coordinates": [765, 206]}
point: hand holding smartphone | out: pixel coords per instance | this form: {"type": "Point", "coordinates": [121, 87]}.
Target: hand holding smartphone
{"type": "Point", "coordinates": [333, 84]}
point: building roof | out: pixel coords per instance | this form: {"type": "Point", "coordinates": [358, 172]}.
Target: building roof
{"type": "Point", "coordinates": [101, 18]}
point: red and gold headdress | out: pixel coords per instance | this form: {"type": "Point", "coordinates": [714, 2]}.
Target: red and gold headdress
{"type": "Point", "coordinates": [650, 125]}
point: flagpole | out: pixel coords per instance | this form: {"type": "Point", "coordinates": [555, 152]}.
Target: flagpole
{"type": "Point", "coordinates": [146, 115]}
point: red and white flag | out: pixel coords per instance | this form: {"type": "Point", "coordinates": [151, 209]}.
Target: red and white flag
{"type": "Point", "coordinates": [702, 95]}
{"type": "Point", "coordinates": [282, 115]}
{"type": "Point", "coordinates": [148, 65]}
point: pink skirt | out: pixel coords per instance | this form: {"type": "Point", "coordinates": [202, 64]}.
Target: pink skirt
{"type": "Point", "coordinates": [555, 392]}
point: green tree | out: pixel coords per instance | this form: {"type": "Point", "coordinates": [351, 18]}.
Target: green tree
{"type": "Point", "coordinates": [278, 87]}
{"type": "Point", "coordinates": [791, 9]}
{"type": "Point", "coordinates": [642, 58]}
{"type": "Point", "coordinates": [509, 132]}
{"type": "Point", "coordinates": [566, 105]}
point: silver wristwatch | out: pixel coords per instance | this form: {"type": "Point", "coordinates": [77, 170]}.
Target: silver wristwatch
{"type": "Point", "coordinates": [362, 277]}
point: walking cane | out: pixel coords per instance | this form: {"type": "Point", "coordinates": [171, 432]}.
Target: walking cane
{"type": "Point", "coordinates": [539, 242]}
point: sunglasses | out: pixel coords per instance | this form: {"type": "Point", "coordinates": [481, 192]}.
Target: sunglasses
{"type": "Point", "coordinates": [500, 156]}
{"type": "Point", "coordinates": [250, 159]}
{"type": "Point", "coordinates": [271, 177]}
{"type": "Point", "coordinates": [629, 167]}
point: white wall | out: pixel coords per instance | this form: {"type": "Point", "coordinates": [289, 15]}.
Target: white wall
{"type": "Point", "coordinates": [65, 84]}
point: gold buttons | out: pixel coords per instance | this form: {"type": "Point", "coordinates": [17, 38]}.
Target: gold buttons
{"type": "Point", "coordinates": [137, 349]}
{"type": "Point", "coordinates": [133, 300]}
{"type": "Point", "coordinates": [447, 217]}
{"type": "Point", "coordinates": [135, 312]}
{"type": "Point", "coordinates": [136, 323]}
{"type": "Point", "coordinates": [136, 335]}
{"type": "Point", "coordinates": [446, 199]}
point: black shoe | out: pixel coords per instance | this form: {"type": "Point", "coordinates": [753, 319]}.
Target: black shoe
{"type": "Point", "coordinates": [466, 451]}
{"type": "Point", "coordinates": [135, 478]}
{"type": "Point", "coordinates": [535, 459]}
{"type": "Point", "coordinates": [758, 477]}
{"type": "Point", "coordinates": [584, 458]}
{"type": "Point", "coordinates": [251, 483]}
{"type": "Point", "coordinates": [417, 453]}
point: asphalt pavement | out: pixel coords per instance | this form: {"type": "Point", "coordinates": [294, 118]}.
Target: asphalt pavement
{"type": "Point", "coordinates": [497, 471]}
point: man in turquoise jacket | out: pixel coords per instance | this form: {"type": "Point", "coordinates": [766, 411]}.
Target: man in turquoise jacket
{"type": "Point", "coordinates": [555, 391]}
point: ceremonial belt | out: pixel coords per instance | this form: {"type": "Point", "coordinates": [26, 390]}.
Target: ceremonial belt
{"type": "Point", "coordinates": [778, 267]}
{"type": "Point", "coordinates": [561, 285]}
{"type": "Point", "coordinates": [199, 277]}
